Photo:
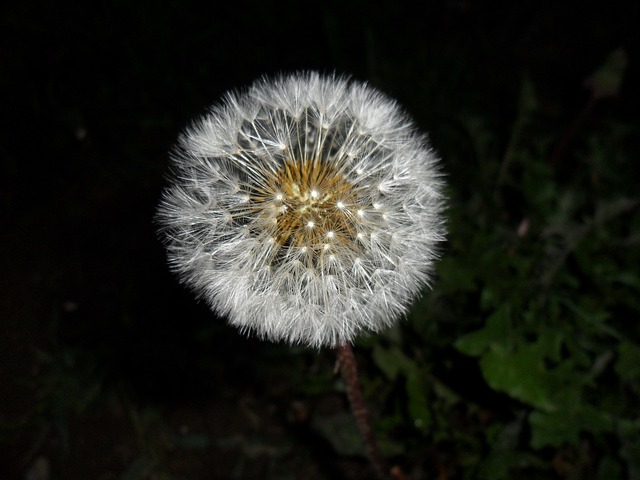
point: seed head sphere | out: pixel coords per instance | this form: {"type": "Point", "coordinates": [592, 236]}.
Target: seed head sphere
{"type": "Point", "coordinates": [306, 208]}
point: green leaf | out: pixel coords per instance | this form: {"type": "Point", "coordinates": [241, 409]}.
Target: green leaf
{"type": "Point", "coordinates": [341, 431]}
{"type": "Point", "coordinates": [628, 364]}
{"type": "Point", "coordinates": [519, 373]}
{"type": "Point", "coordinates": [629, 433]}
{"type": "Point", "coordinates": [606, 80]}
{"type": "Point", "coordinates": [608, 469]}
{"type": "Point", "coordinates": [140, 469]}
{"type": "Point", "coordinates": [555, 429]}
{"type": "Point", "coordinates": [192, 441]}
{"type": "Point", "coordinates": [455, 276]}
{"type": "Point", "coordinates": [496, 331]}
{"type": "Point", "coordinates": [418, 401]}
{"type": "Point", "coordinates": [392, 361]}
{"type": "Point", "coordinates": [550, 342]}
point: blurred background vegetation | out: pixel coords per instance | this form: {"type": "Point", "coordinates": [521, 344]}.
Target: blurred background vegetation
{"type": "Point", "coordinates": [523, 362]}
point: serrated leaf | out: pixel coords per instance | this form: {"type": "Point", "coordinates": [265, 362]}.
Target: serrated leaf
{"type": "Point", "coordinates": [495, 331]}
{"type": "Point", "coordinates": [520, 373]}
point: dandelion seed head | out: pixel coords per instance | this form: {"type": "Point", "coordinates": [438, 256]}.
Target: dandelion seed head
{"type": "Point", "coordinates": [306, 209]}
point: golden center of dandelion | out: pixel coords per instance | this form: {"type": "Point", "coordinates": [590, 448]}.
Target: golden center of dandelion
{"type": "Point", "coordinates": [310, 204]}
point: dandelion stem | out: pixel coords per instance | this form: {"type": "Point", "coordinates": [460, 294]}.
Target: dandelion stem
{"type": "Point", "coordinates": [351, 380]}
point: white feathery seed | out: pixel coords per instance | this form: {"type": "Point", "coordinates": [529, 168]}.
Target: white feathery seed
{"type": "Point", "coordinates": [306, 209]}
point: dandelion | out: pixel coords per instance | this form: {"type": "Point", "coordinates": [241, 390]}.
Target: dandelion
{"type": "Point", "coordinates": [305, 209]}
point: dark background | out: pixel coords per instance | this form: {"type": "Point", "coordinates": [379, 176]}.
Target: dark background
{"type": "Point", "coordinates": [106, 362]}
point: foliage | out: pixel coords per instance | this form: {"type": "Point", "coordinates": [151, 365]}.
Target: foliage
{"type": "Point", "coordinates": [539, 287]}
{"type": "Point", "coordinates": [523, 362]}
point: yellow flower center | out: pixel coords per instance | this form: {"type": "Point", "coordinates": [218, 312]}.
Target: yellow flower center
{"type": "Point", "coordinates": [308, 205]}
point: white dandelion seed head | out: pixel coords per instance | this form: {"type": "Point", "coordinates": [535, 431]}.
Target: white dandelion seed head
{"type": "Point", "coordinates": [306, 209]}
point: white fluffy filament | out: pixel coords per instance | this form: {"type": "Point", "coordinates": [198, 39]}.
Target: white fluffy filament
{"type": "Point", "coordinates": [306, 209]}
